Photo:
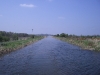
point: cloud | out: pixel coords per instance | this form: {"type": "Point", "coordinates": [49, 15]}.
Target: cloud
{"type": "Point", "coordinates": [61, 17]}
{"type": "Point", "coordinates": [27, 5]}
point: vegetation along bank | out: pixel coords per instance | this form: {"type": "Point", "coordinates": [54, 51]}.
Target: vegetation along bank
{"type": "Point", "coordinates": [10, 41]}
{"type": "Point", "coordinates": [85, 42]}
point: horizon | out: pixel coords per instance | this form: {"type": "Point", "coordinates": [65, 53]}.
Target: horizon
{"type": "Point", "coordinates": [51, 34]}
{"type": "Point", "coordinates": [50, 16]}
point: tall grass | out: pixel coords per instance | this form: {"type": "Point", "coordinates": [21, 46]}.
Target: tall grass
{"type": "Point", "coordinates": [14, 45]}
{"type": "Point", "coordinates": [84, 43]}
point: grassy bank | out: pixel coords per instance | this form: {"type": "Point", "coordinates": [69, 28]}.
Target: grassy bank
{"type": "Point", "coordinates": [10, 46]}
{"type": "Point", "coordinates": [84, 43]}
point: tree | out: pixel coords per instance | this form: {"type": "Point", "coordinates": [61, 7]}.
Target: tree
{"type": "Point", "coordinates": [5, 38]}
{"type": "Point", "coordinates": [57, 35]}
{"type": "Point", "coordinates": [66, 35]}
{"type": "Point", "coordinates": [15, 37]}
{"type": "Point", "coordinates": [32, 36]}
{"type": "Point", "coordinates": [1, 39]}
{"type": "Point", "coordinates": [62, 35]}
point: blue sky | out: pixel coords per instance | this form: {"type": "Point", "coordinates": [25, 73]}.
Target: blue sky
{"type": "Point", "coordinates": [79, 17]}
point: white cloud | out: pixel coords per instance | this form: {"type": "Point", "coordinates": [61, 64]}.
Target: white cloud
{"type": "Point", "coordinates": [27, 5]}
{"type": "Point", "coordinates": [61, 17]}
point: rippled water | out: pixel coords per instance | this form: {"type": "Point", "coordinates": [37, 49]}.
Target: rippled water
{"type": "Point", "coordinates": [50, 56]}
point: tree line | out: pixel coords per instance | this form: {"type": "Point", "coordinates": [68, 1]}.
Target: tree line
{"type": "Point", "coordinates": [7, 36]}
{"type": "Point", "coordinates": [75, 36]}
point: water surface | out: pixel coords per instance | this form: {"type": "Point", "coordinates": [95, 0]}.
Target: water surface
{"type": "Point", "coordinates": [50, 56]}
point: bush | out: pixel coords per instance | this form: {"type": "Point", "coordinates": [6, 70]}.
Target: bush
{"type": "Point", "coordinates": [1, 39]}
{"type": "Point", "coordinates": [15, 37]}
{"type": "Point", "coordinates": [32, 36]}
{"type": "Point", "coordinates": [57, 35]}
{"type": "Point", "coordinates": [89, 43]}
{"type": "Point", "coordinates": [62, 35]}
{"type": "Point", "coordinates": [4, 38]}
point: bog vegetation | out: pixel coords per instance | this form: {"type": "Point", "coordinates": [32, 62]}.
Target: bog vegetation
{"type": "Point", "coordinates": [86, 42]}
{"type": "Point", "coordinates": [10, 36]}
{"type": "Point", "coordinates": [10, 41]}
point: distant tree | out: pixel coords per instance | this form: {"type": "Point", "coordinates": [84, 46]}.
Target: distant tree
{"type": "Point", "coordinates": [32, 36]}
{"type": "Point", "coordinates": [66, 35]}
{"type": "Point", "coordinates": [62, 35]}
{"type": "Point", "coordinates": [1, 39]}
{"type": "Point", "coordinates": [5, 38]}
{"type": "Point", "coordinates": [57, 35]}
{"type": "Point", "coordinates": [15, 37]}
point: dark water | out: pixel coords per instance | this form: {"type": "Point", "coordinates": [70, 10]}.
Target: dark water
{"type": "Point", "coordinates": [50, 56]}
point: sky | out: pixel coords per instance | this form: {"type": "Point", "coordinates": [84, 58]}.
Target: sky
{"type": "Point", "coordinates": [79, 17]}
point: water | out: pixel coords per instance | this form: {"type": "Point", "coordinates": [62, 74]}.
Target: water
{"type": "Point", "coordinates": [50, 56]}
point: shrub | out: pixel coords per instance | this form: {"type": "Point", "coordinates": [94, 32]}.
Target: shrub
{"type": "Point", "coordinates": [62, 35]}
{"type": "Point", "coordinates": [57, 35]}
{"type": "Point", "coordinates": [1, 39]}
{"type": "Point", "coordinates": [4, 38]}
{"type": "Point", "coordinates": [88, 43]}
{"type": "Point", "coordinates": [15, 37]}
{"type": "Point", "coordinates": [32, 36]}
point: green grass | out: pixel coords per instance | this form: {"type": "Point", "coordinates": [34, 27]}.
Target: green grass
{"type": "Point", "coordinates": [14, 45]}
{"type": "Point", "coordinates": [87, 43]}
{"type": "Point", "coordinates": [19, 43]}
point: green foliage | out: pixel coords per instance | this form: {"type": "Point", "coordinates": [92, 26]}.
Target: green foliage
{"type": "Point", "coordinates": [4, 38]}
{"type": "Point", "coordinates": [66, 35]}
{"type": "Point", "coordinates": [1, 39]}
{"type": "Point", "coordinates": [15, 37]}
{"type": "Point", "coordinates": [62, 35]}
{"type": "Point", "coordinates": [91, 42]}
{"type": "Point", "coordinates": [88, 43]}
{"type": "Point", "coordinates": [7, 36]}
{"type": "Point", "coordinates": [57, 35]}
{"type": "Point", "coordinates": [19, 43]}
{"type": "Point", "coordinates": [32, 36]}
